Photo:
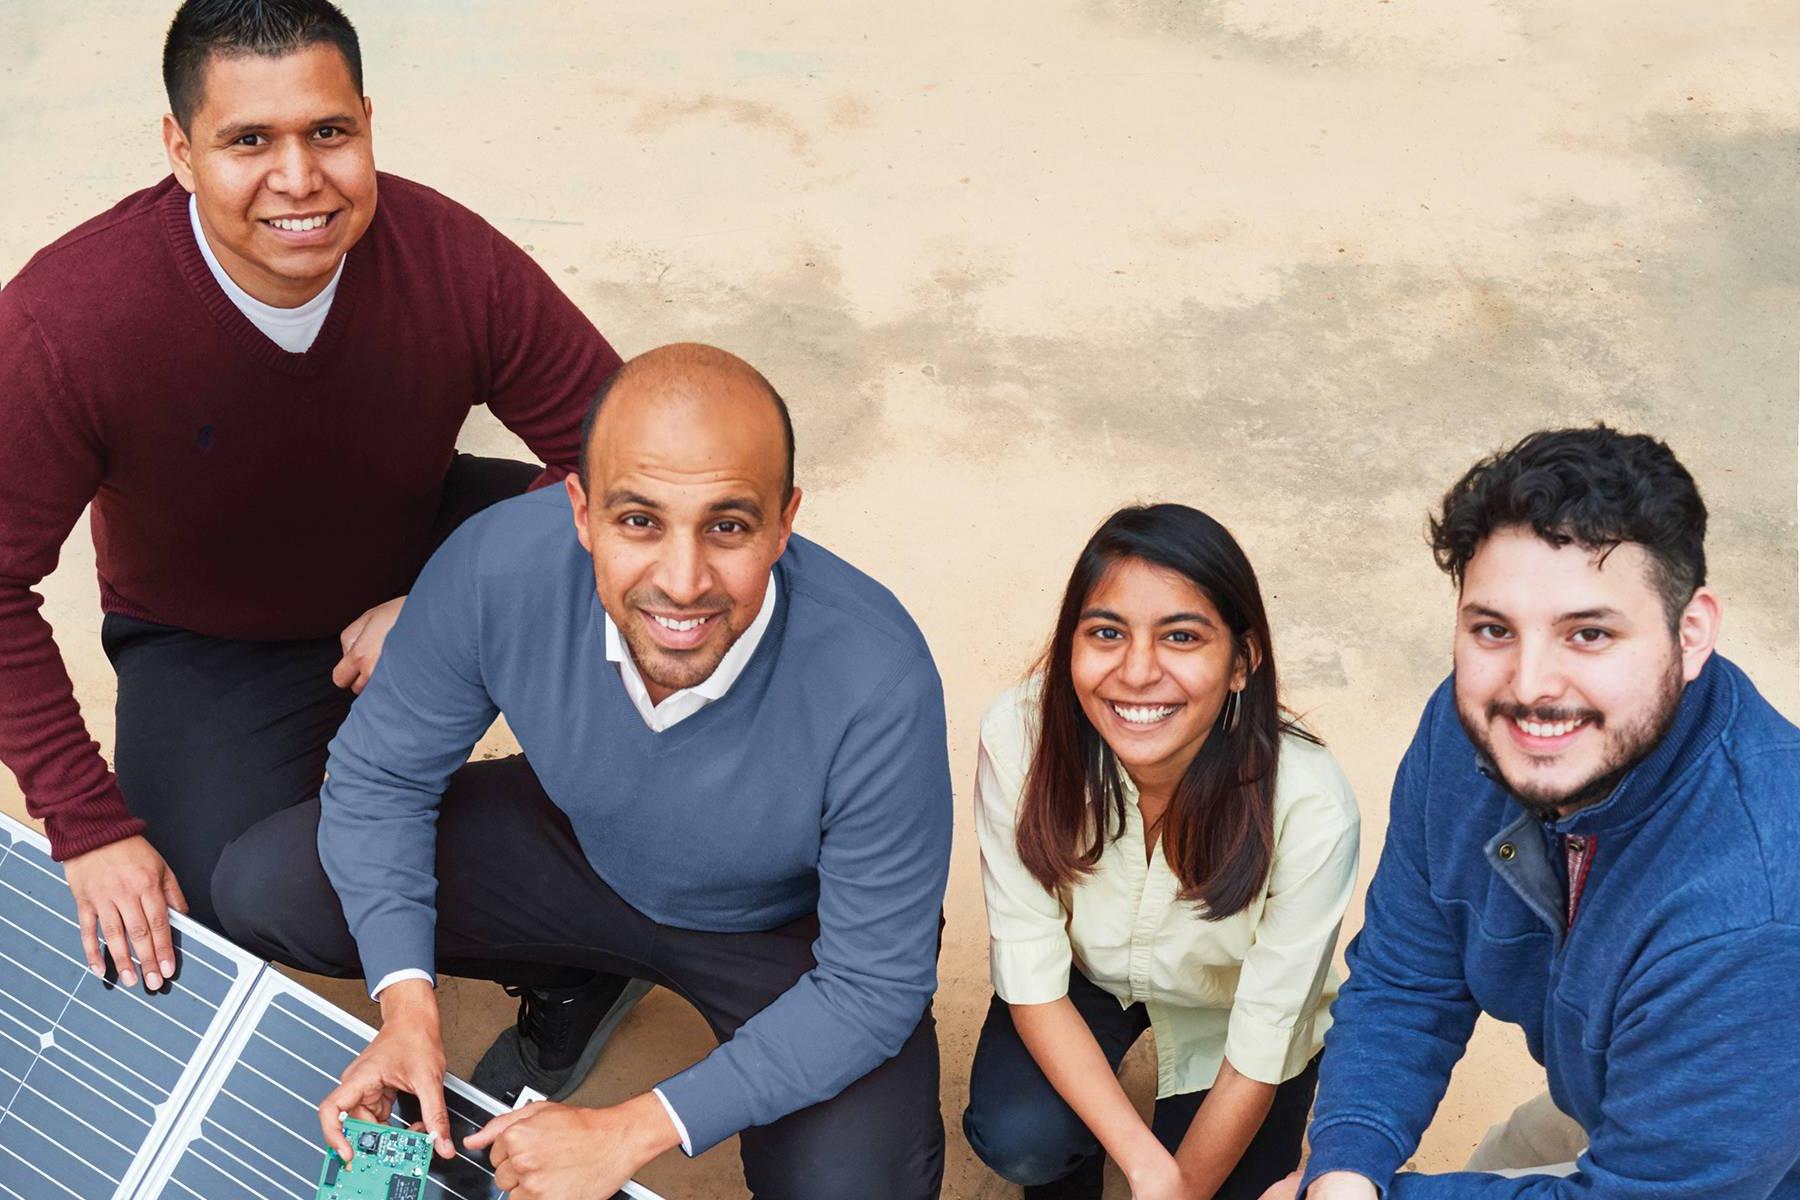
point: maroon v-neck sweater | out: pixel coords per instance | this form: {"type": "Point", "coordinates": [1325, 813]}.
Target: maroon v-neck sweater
{"type": "Point", "coordinates": [239, 490]}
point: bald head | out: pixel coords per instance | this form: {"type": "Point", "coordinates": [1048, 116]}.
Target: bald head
{"type": "Point", "coordinates": [685, 502]}
{"type": "Point", "coordinates": [693, 385]}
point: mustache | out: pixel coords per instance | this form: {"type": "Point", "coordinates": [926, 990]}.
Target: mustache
{"type": "Point", "coordinates": [1543, 715]}
{"type": "Point", "coordinates": [653, 597]}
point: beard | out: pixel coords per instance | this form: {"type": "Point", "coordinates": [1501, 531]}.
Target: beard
{"type": "Point", "coordinates": [1623, 748]}
{"type": "Point", "coordinates": [676, 670]}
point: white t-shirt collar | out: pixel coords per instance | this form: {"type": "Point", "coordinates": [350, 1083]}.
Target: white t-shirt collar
{"type": "Point", "coordinates": [293, 329]}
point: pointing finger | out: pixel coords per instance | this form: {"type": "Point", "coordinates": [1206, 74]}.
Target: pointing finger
{"type": "Point", "coordinates": [484, 1137]}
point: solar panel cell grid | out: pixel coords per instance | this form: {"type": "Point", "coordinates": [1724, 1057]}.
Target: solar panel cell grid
{"type": "Point", "coordinates": [260, 1136]}
{"type": "Point", "coordinates": [252, 1130]}
{"type": "Point", "coordinates": [256, 1136]}
{"type": "Point", "coordinates": [205, 1090]}
{"type": "Point", "coordinates": [87, 1069]}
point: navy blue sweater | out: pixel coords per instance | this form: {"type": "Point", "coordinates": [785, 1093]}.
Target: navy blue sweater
{"type": "Point", "coordinates": [819, 782]}
{"type": "Point", "coordinates": [1667, 1015]}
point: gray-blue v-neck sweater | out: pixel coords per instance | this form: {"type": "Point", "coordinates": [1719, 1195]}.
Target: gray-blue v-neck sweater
{"type": "Point", "coordinates": [819, 783]}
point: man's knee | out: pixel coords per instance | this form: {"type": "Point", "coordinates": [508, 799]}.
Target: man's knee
{"type": "Point", "coordinates": [831, 1176]}
{"type": "Point", "coordinates": [1536, 1132]}
{"type": "Point", "coordinates": [881, 1138]}
{"type": "Point", "coordinates": [903, 1161]}
{"type": "Point", "coordinates": [1025, 1143]}
{"type": "Point", "coordinates": [273, 899]}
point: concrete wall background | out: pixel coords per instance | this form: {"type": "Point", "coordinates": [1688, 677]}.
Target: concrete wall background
{"type": "Point", "coordinates": [1015, 263]}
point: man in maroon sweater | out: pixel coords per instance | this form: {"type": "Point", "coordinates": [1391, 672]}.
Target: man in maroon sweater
{"type": "Point", "coordinates": [255, 372]}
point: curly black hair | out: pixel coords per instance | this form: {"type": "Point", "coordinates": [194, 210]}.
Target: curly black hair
{"type": "Point", "coordinates": [270, 28]}
{"type": "Point", "coordinates": [1595, 487]}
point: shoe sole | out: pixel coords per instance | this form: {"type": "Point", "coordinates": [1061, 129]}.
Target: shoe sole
{"type": "Point", "coordinates": [635, 990]}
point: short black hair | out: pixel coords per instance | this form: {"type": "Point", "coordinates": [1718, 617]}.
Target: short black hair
{"type": "Point", "coordinates": [271, 28]}
{"type": "Point", "coordinates": [1595, 487]}
{"type": "Point", "coordinates": [593, 416]}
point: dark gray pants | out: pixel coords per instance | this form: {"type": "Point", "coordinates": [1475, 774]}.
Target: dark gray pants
{"type": "Point", "coordinates": [215, 734]}
{"type": "Point", "coordinates": [517, 898]}
{"type": "Point", "coordinates": [1021, 1128]}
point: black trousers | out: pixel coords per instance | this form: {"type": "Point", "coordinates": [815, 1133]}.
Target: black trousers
{"type": "Point", "coordinates": [1023, 1130]}
{"type": "Point", "coordinates": [213, 735]}
{"type": "Point", "coordinates": [516, 896]}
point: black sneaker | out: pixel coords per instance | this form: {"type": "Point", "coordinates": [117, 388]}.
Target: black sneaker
{"type": "Point", "coordinates": [557, 1037]}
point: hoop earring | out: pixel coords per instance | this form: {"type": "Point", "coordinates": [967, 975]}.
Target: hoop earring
{"type": "Point", "coordinates": [1234, 705]}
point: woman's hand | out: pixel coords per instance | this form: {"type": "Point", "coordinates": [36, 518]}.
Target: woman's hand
{"type": "Point", "coordinates": [1064, 1049]}
{"type": "Point", "coordinates": [1159, 1179]}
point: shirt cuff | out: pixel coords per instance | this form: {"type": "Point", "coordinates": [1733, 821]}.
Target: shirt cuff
{"type": "Point", "coordinates": [1270, 1053]}
{"type": "Point", "coordinates": [1030, 972]}
{"type": "Point", "coordinates": [393, 977]}
{"type": "Point", "coordinates": [687, 1146]}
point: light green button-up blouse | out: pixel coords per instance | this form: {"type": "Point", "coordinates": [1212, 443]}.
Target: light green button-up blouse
{"type": "Point", "coordinates": [1254, 987]}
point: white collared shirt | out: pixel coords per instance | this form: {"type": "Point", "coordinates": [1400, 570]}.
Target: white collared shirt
{"type": "Point", "coordinates": [293, 329]}
{"type": "Point", "coordinates": [679, 706]}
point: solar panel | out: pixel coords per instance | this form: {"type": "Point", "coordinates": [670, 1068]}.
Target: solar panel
{"type": "Point", "coordinates": [88, 1071]}
{"type": "Point", "coordinates": [252, 1130]}
{"type": "Point", "coordinates": [207, 1090]}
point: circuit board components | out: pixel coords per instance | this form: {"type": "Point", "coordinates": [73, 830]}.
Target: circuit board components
{"type": "Point", "coordinates": [388, 1164]}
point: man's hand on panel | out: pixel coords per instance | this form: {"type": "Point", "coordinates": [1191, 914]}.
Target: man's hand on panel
{"type": "Point", "coordinates": [123, 892]}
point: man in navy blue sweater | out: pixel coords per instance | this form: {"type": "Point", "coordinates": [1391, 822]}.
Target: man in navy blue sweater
{"type": "Point", "coordinates": [1594, 836]}
{"type": "Point", "coordinates": [737, 788]}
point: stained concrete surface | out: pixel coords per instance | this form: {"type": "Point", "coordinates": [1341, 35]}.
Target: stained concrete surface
{"type": "Point", "coordinates": [1017, 262]}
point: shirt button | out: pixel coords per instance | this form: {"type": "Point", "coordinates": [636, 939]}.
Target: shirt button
{"type": "Point", "coordinates": [1576, 845]}
{"type": "Point", "coordinates": [1508, 851]}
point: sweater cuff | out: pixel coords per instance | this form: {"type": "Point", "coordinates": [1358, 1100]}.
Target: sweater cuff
{"type": "Point", "coordinates": [74, 829]}
{"type": "Point", "coordinates": [1351, 1145]}
{"type": "Point", "coordinates": [389, 943]}
{"type": "Point", "coordinates": [711, 1102]}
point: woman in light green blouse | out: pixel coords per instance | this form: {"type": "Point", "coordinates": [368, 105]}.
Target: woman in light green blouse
{"type": "Point", "coordinates": [1164, 848]}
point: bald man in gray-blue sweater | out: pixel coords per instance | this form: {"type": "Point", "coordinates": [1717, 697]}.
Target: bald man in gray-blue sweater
{"type": "Point", "coordinates": [737, 788]}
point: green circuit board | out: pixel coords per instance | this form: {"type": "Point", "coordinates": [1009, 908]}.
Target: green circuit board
{"type": "Point", "coordinates": [389, 1164]}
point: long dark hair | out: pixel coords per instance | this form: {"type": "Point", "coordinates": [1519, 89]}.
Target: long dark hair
{"type": "Point", "coordinates": [1219, 833]}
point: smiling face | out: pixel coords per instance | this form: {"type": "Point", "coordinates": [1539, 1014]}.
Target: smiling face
{"type": "Point", "coordinates": [1152, 663]}
{"type": "Point", "coordinates": [279, 159]}
{"type": "Point", "coordinates": [1567, 673]}
{"type": "Point", "coordinates": [684, 512]}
